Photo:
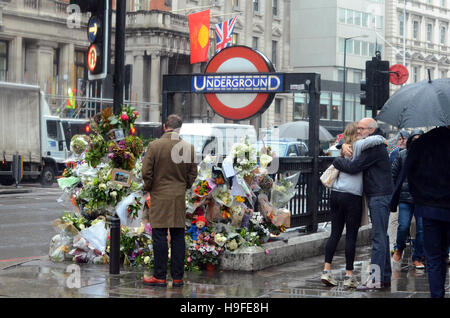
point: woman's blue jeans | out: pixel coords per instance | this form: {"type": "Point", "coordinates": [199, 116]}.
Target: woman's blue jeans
{"type": "Point", "coordinates": [405, 214]}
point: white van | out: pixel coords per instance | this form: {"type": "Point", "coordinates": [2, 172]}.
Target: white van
{"type": "Point", "coordinates": [216, 139]}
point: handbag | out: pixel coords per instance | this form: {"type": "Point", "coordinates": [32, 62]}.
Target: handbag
{"type": "Point", "coordinates": [329, 176]}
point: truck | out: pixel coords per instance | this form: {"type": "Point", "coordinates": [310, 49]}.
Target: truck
{"type": "Point", "coordinates": [29, 131]}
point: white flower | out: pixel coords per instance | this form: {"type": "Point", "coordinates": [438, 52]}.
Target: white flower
{"type": "Point", "coordinates": [102, 186]}
{"type": "Point", "coordinates": [265, 160]}
{"type": "Point", "coordinates": [146, 259]}
{"type": "Point", "coordinates": [114, 194]}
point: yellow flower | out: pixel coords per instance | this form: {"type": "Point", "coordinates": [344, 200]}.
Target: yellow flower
{"type": "Point", "coordinates": [240, 199]}
{"type": "Point", "coordinates": [140, 229]}
{"type": "Point", "coordinates": [146, 259]}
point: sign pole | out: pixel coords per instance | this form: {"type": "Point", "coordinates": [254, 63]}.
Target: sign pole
{"type": "Point", "coordinates": [119, 65]}
{"type": "Point", "coordinates": [119, 74]}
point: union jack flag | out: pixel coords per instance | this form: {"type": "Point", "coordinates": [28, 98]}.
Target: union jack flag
{"type": "Point", "coordinates": [224, 33]}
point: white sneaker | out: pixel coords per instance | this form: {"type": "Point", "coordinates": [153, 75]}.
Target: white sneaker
{"type": "Point", "coordinates": [328, 279]}
{"type": "Point", "coordinates": [350, 282]}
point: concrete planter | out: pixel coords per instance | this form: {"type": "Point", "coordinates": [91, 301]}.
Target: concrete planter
{"type": "Point", "coordinates": [280, 252]}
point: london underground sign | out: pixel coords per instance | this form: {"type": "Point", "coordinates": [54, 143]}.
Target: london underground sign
{"type": "Point", "coordinates": [230, 71]}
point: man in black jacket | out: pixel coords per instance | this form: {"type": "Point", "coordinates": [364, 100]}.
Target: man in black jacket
{"type": "Point", "coordinates": [378, 187]}
{"type": "Point", "coordinates": [428, 173]}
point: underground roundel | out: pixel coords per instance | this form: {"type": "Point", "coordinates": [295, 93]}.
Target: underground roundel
{"type": "Point", "coordinates": [241, 101]}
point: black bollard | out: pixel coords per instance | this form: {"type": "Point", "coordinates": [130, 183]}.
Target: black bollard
{"type": "Point", "coordinates": [114, 249]}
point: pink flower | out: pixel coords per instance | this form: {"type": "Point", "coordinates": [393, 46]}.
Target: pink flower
{"type": "Point", "coordinates": [189, 259]}
{"type": "Point", "coordinates": [124, 116]}
{"type": "Point", "coordinates": [136, 114]}
{"type": "Point", "coordinates": [267, 251]}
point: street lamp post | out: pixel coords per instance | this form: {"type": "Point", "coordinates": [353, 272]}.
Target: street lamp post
{"type": "Point", "coordinates": [345, 75]}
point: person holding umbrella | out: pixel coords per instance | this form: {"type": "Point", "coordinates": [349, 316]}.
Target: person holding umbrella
{"type": "Point", "coordinates": [427, 104]}
{"type": "Point", "coordinates": [406, 210]}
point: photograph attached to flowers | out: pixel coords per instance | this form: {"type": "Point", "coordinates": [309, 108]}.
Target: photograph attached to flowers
{"type": "Point", "coordinates": [122, 177]}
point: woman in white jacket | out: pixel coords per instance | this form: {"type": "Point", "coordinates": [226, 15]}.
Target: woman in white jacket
{"type": "Point", "coordinates": [346, 209]}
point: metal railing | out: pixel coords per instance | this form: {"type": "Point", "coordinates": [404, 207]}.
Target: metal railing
{"type": "Point", "coordinates": [298, 205]}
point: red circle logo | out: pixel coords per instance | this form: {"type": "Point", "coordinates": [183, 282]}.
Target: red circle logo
{"type": "Point", "coordinates": [399, 74]}
{"type": "Point", "coordinates": [239, 106]}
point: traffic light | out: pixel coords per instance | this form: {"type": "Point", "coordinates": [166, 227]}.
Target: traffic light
{"type": "Point", "coordinates": [375, 90]}
{"type": "Point", "coordinates": [381, 83]}
{"type": "Point", "coordinates": [98, 32]}
{"type": "Point", "coordinates": [367, 87]}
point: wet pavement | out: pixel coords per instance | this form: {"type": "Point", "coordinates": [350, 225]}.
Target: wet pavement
{"type": "Point", "coordinates": [41, 278]}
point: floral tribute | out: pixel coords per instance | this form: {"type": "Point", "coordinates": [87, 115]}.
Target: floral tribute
{"type": "Point", "coordinates": [229, 207]}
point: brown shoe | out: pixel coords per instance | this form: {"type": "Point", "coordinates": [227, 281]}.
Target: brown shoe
{"type": "Point", "coordinates": [397, 257]}
{"type": "Point", "coordinates": [152, 281]}
{"type": "Point", "coordinates": [418, 264]}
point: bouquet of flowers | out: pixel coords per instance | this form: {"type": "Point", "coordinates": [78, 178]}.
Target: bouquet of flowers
{"type": "Point", "coordinates": [244, 158]}
{"type": "Point", "coordinates": [205, 249]}
{"type": "Point", "coordinates": [120, 155]}
{"type": "Point", "coordinates": [103, 122]}
{"type": "Point", "coordinates": [133, 209]}
{"type": "Point", "coordinates": [283, 190]}
{"type": "Point", "coordinates": [96, 150]}
{"type": "Point", "coordinates": [202, 188]}
{"type": "Point", "coordinates": [136, 246]}
{"type": "Point", "coordinates": [223, 196]}
{"type": "Point", "coordinates": [79, 143]}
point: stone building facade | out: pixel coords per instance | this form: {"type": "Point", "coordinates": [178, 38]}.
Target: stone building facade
{"type": "Point", "coordinates": [419, 34]}
{"type": "Point", "coordinates": [39, 45]}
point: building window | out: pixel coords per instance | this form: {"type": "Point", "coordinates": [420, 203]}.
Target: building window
{"type": "Point", "coordinates": [444, 74]}
{"type": "Point", "coordinates": [277, 106]}
{"type": "Point", "coordinates": [341, 15]}
{"type": "Point", "coordinates": [300, 106]}
{"type": "Point", "coordinates": [357, 47]}
{"type": "Point", "coordinates": [357, 75]}
{"type": "Point", "coordinates": [443, 4]}
{"type": "Point", "coordinates": [402, 26]}
{"type": "Point", "coordinates": [416, 30]}
{"type": "Point", "coordinates": [80, 64]}
{"type": "Point", "coordinates": [168, 3]}
{"type": "Point", "coordinates": [365, 19]}
{"type": "Point", "coordinates": [336, 106]}
{"type": "Point", "coordinates": [350, 16]}
{"type": "Point", "coordinates": [324, 105]}
{"type": "Point", "coordinates": [55, 63]}
{"type": "Point", "coordinates": [3, 60]}
{"type": "Point", "coordinates": [274, 52]}
{"type": "Point", "coordinates": [275, 8]}
{"type": "Point", "coordinates": [235, 3]}
{"type": "Point", "coordinates": [255, 5]}
{"type": "Point", "coordinates": [139, 5]}
{"type": "Point", "coordinates": [254, 43]}
{"type": "Point", "coordinates": [340, 75]}
{"type": "Point", "coordinates": [429, 32]}
{"type": "Point", "coordinates": [442, 35]}
{"type": "Point", "coordinates": [415, 74]}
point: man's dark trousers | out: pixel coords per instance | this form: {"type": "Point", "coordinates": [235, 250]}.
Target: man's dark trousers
{"type": "Point", "coordinates": [379, 215]}
{"type": "Point", "coordinates": [160, 250]}
{"type": "Point", "coordinates": [436, 237]}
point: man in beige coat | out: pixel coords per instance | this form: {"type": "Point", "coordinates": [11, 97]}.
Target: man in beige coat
{"type": "Point", "coordinates": [169, 169]}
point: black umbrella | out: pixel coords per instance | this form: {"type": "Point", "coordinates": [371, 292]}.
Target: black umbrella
{"type": "Point", "coordinates": [422, 104]}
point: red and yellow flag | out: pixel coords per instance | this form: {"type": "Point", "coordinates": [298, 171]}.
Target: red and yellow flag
{"type": "Point", "coordinates": [199, 35]}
